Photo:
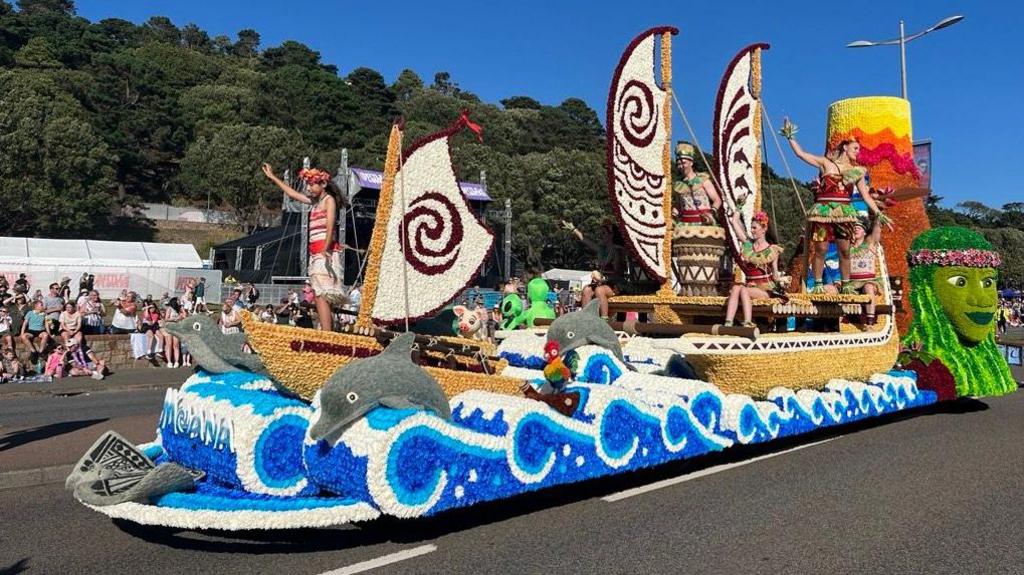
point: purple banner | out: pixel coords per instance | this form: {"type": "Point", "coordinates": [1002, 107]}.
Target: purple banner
{"type": "Point", "coordinates": [373, 180]}
{"type": "Point", "coordinates": [923, 159]}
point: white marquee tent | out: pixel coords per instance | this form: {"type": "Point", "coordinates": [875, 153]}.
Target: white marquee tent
{"type": "Point", "coordinates": [147, 268]}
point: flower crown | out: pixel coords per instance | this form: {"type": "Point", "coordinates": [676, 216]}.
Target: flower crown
{"type": "Point", "coordinates": [314, 176]}
{"type": "Point", "coordinates": [971, 258]}
{"type": "Point", "coordinates": [761, 218]}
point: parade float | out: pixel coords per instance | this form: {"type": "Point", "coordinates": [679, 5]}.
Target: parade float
{"type": "Point", "coordinates": [318, 429]}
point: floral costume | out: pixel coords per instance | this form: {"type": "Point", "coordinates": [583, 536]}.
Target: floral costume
{"type": "Point", "coordinates": [757, 265]}
{"type": "Point", "coordinates": [691, 203]}
{"type": "Point", "coordinates": [832, 213]}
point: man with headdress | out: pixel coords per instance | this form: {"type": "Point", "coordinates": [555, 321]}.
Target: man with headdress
{"type": "Point", "coordinates": [695, 201]}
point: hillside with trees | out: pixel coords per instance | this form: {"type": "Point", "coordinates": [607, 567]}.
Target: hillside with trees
{"type": "Point", "coordinates": [96, 117]}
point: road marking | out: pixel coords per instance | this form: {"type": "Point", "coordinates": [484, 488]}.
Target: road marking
{"type": "Point", "coordinates": [383, 560]}
{"type": "Point", "coordinates": [702, 473]}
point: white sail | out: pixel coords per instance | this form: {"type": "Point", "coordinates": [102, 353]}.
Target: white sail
{"type": "Point", "coordinates": [433, 240]}
{"type": "Point", "coordinates": [639, 132]}
{"type": "Point", "coordinates": [737, 146]}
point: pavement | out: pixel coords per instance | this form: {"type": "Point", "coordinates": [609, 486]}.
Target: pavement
{"type": "Point", "coordinates": [46, 427]}
{"type": "Point", "coordinates": [938, 490]}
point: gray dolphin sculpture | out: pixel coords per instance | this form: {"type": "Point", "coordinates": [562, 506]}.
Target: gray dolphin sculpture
{"type": "Point", "coordinates": [389, 379]}
{"type": "Point", "coordinates": [213, 350]}
{"type": "Point", "coordinates": [585, 327]}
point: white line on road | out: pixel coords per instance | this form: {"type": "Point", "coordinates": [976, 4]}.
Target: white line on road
{"type": "Point", "coordinates": [702, 473]}
{"type": "Point", "coordinates": [383, 560]}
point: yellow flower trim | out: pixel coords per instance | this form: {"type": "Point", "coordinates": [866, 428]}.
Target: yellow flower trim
{"type": "Point", "coordinates": [756, 374]}
{"type": "Point", "coordinates": [871, 114]}
{"type": "Point", "coordinates": [755, 91]}
{"type": "Point", "coordinates": [666, 159]}
{"type": "Point", "coordinates": [380, 229]}
{"type": "Point", "coordinates": [304, 372]}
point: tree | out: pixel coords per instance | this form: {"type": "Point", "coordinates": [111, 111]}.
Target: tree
{"type": "Point", "coordinates": [407, 85]}
{"type": "Point", "coordinates": [444, 85]}
{"type": "Point", "coordinates": [36, 54]}
{"type": "Point", "coordinates": [248, 44]}
{"type": "Point", "coordinates": [227, 166]}
{"type": "Point", "coordinates": [983, 214]}
{"type": "Point", "coordinates": [194, 38]}
{"type": "Point", "coordinates": [37, 6]}
{"type": "Point", "coordinates": [291, 53]}
{"type": "Point", "coordinates": [521, 103]}
{"type": "Point", "coordinates": [161, 29]}
{"type": "Point", "coordinates": [207, 106]}
{"type": "Point", "coordinates": [56, 171]}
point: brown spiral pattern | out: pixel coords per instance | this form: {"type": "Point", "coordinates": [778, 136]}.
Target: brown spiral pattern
{"type": "Point", "coordinates": [427, 220]}
{"type": "Point", "coordinates": [638, 116]}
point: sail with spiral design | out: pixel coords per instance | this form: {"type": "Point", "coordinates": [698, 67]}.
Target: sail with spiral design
{"type": "Point", "coordinates": [639, 162]}
{"type": "Point", "coordinates": [737, 144]}
{"type": "Point", "coordinates": [427, 244]}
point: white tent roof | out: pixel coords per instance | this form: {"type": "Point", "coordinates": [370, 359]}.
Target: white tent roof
{"type": "Point", "coordinates": [94, 253]}
{"type": "Point", "coordinates": [560, 275]}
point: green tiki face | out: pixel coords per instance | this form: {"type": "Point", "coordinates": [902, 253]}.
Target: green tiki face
{"type": "Point", "coordinates": [968, 296]}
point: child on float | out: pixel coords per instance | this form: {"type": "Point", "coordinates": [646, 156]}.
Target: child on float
{"type": "Point", "coordinates": [760, 264]}
{"type": "Point", "coordinates": [863, 271]}
{"type": "Point", "coordinates": [832, 215]}
{"type": "Point", "coordinates": [324, 249]}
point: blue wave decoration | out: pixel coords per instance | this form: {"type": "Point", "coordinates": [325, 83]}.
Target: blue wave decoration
{"type": "Point", "coordinates": [410, 463]}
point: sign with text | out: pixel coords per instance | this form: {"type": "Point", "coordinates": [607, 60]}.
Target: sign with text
{"type": "Point", "coordinates": [923, 159]}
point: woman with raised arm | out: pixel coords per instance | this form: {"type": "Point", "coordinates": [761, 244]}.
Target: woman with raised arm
{"type": "Point", "coordinates": [832, 215]}
{"type": "Point", "coordinates": [759, 260]}
{"type": "Point", "coordinates": [324, 249]}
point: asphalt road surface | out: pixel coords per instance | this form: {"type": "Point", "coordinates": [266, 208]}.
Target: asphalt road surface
{"type": "Point", "coordinates": [936, 492]}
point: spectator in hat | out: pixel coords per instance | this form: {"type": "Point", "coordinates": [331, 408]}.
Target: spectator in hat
{"type": "Point", "coordinates": [65, 288]}
{"type": "Point", "coordinates": [21, 284]}
{"type": "Point", "coordinates": [82, 361]}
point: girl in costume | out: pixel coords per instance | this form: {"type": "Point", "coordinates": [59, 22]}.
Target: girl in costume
{"type": "Point", "coordinates": [832, 215]}
{"type": "Point", "coordinates": [863, 258]}
{"type": "Point", "coordinates": [953, 295]}
{"type": "Point", "coordinates": [611, 263]}
{"type": "Point", "coordinates": [759, 260]}
{"type": "Point", "coordinates": [324, 249]}
{"type": "Point", "coordinates": [695, 201]}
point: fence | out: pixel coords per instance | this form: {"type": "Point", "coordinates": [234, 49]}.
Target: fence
{"type": "Point", "coordinates": [199, 215]}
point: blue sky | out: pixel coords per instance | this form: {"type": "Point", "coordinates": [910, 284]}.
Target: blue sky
{"type": "Point", "coordinates": [965, 82]}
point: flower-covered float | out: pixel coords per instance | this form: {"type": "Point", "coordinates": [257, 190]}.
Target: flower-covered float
{"type": "Point", "coordinates": [318, 429]}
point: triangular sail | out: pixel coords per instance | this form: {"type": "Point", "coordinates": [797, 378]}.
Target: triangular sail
{"type": "Point", "coordinates": [427, 245]}
{"type": "Point", "coordinates": [639, 162]}
{"type": "Point", "coordinates": [737, 145]}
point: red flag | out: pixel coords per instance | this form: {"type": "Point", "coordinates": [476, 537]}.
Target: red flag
{"type": "Point", "coordinates": [473, 127]}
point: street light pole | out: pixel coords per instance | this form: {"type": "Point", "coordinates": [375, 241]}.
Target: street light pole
{"type": "Point", "coordinates": [902, 43]}
{"type": "Point", "coordinates": [903, 60]}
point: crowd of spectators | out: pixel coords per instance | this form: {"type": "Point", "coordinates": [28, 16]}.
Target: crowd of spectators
{"type": "Point", "coordinates": [1010, 314]}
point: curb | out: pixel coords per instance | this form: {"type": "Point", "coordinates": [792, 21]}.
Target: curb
{"type": "Point", "coordinates": [35, 477]}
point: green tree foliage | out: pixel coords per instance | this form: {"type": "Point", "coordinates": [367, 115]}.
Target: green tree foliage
{"type": "Point", "coordinates": [226, 165]}
{"type": "Point", "coordinates": [55, 171]}
{"type": "Point", "coordinates": [158, 112]}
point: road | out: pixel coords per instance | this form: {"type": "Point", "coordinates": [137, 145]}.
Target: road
{"type": "Point", "coordinates": [937, 492]}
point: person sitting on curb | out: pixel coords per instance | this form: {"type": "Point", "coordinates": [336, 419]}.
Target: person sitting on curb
{"type": "Point", "coordinates": [84, 362]}
{"type": "Point", "coordinates": [10, 368]}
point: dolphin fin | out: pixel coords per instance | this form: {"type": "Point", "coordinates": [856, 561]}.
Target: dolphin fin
{"type": "Point", "coordinates": [401, 344]}
{"type": "Point", "coordinates": [594, 307]}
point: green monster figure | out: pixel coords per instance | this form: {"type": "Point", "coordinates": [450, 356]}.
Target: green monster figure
{"type": "Point", "coordinates": [512, 308]}
{"type": "Point", "coordinates": [953, 294]}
